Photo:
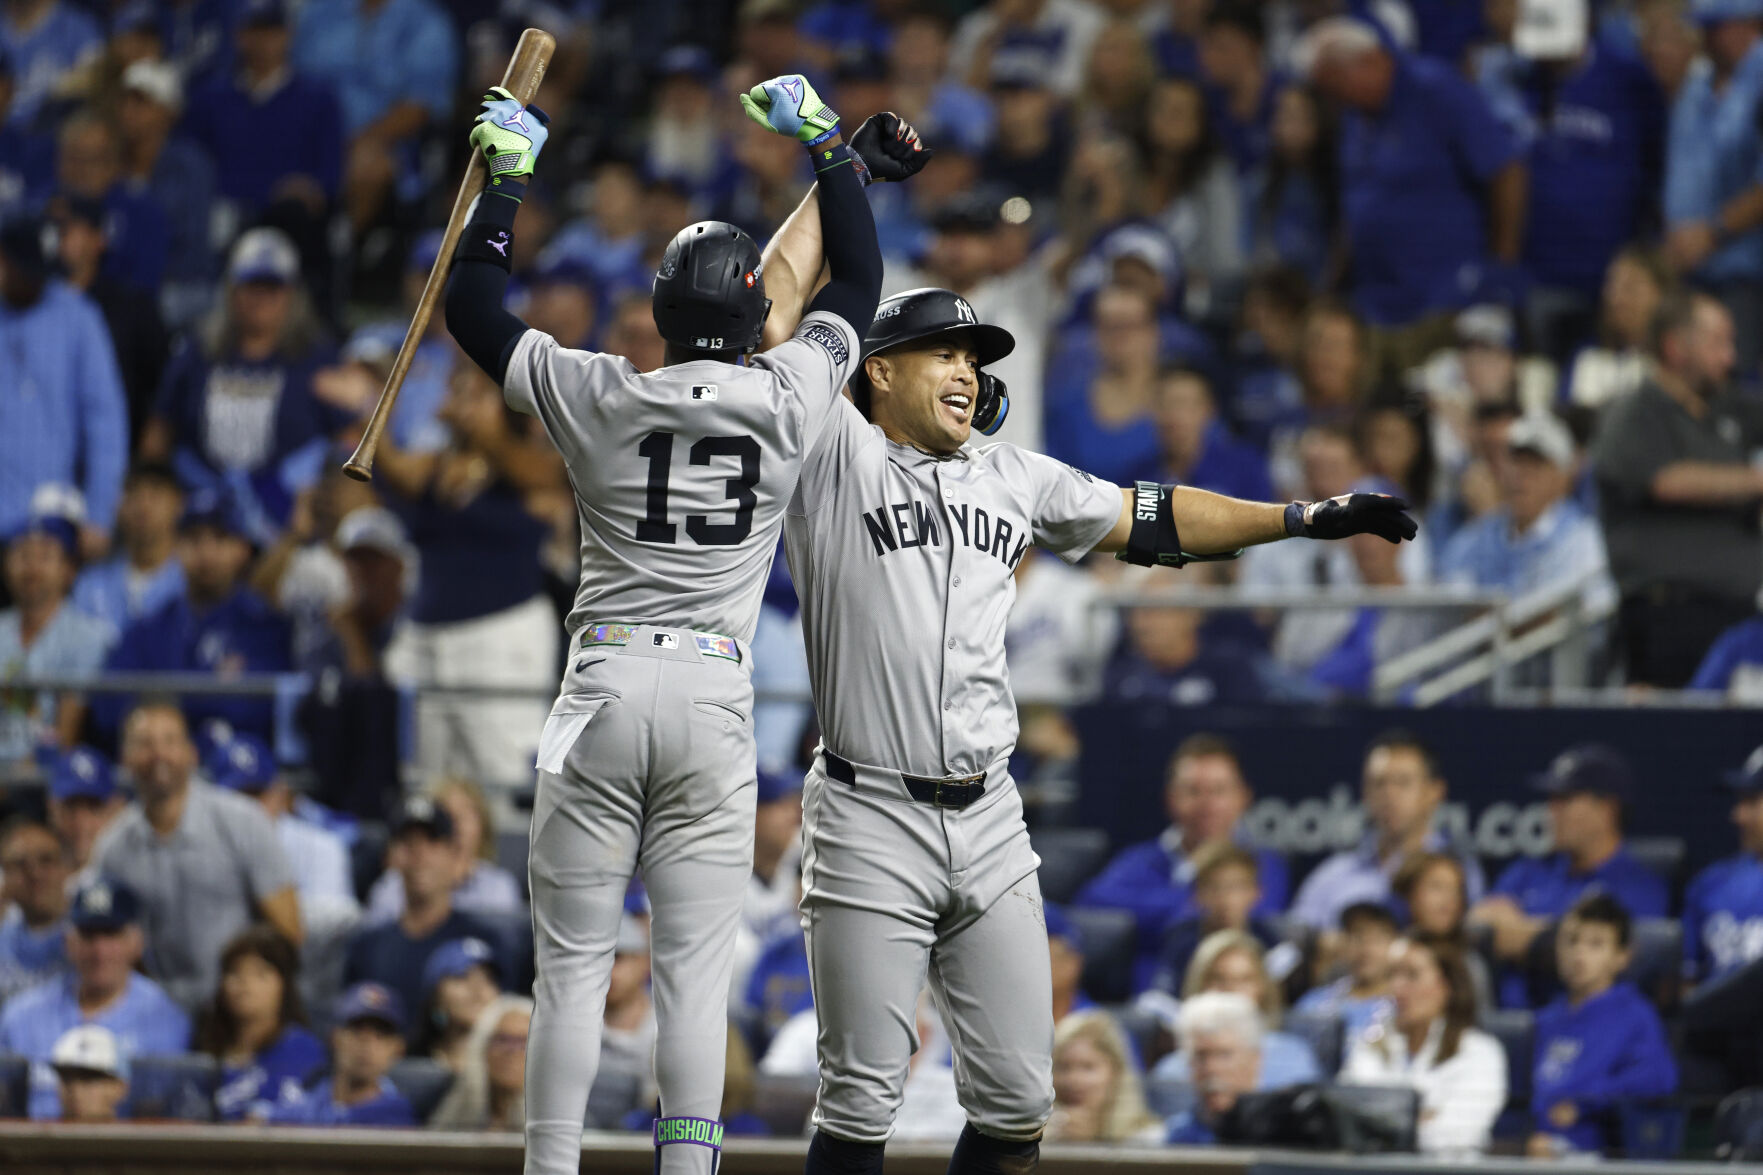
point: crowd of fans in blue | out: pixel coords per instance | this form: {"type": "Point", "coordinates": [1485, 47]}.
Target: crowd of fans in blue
{"type": "Point", "coordinates": [1282, 249]}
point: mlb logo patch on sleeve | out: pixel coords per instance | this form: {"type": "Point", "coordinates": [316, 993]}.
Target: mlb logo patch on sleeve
{"type": "Point", "coordinates": [826, 336]}
{"type": "Point", "coordinates": [703, 391]}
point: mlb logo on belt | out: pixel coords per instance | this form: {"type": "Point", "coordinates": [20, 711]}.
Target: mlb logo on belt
{"type": "Point", "coordinates": [666, 640]}
{"type": "Point", "coordinates": [703, 391]}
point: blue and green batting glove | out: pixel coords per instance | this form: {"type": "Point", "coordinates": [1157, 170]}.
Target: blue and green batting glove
{"type": "Point", "coordinates": [789, 106]}
{"type": "Point", "coordinates": [510, 135]}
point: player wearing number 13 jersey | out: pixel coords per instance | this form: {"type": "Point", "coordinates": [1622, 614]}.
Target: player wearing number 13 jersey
{"type": "Point", "coordinates": [681, 478]}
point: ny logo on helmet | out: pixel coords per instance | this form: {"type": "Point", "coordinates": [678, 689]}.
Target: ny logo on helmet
{"type": "Point", "coordinates": [965, 312]}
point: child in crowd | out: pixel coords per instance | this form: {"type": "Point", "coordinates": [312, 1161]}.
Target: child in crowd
{"type": "Point", "coordinates": [1227, 886]}
{"type": "Point", "coordinates": [1599, 1044]}
{"type": "Point", "coordinates": [1362, 995]}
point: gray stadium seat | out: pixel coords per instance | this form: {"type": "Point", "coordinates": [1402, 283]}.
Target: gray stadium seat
{"type": "Point", "coordinates": [175, 1086]}
{"type": "Point", "coordinates": [514, 933]}
{"type": "Point", "coordinates": [1395, 1106]}
{"type": "Point", "coordinates": [1069, 857]}
{"type": "Point", "coordinates": [1738, 1127]}
{"type": "Point", "coordinates": [423, 1081]}
{"type": "Point", "coordinates": [614, 1095]}
{"type": "Point", "coordinates": [1325, 1035]}
{"type": "Point", "coordinates": [1664, 855]}
{"type": "Point", "coordinates": [1657, 956]}
{"type": "Point", "coordinates": [15, 1086]}
{"type": "Point", "coordinates": [1142, 1028]}
{"type": "Point", "coordinates": [784, 1103]}
{"type": "Point", "coordinates": [1515, 1029]}
{"type": "Point", "coordinates": [1109, 937]}
{"type": "Point", "coordinates": [511, 850]}
{"type": "Point", "coordinates": [1166, 1097]}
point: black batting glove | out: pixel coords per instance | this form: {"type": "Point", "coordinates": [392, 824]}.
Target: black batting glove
{"type": "Point", "coordinates": [1351, 514]}
{"type": "Point", "coordinates": [888, 149]}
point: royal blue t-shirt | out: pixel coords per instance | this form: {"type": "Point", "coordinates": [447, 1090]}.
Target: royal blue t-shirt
{"type": "Point", "coordinates": [1414, 181]}
{"type": "Point", "coordinates": [1608, 1049]}
{"type": "Point", "coordinates": [319, 1107]}
{"type": "Point", "coordinates": [274, 1077]}
{"type": "Point", "coordinates": [778, 987]}
{"type": "Point", "coordinates": [295, 131]}
{"type": "Point", "coordinates": [1547, 887]}
{"type": "Point", "coordinates": [476, 560]}
{"type": "Point", "coordinates": [1737, 650]}
{"type": "Point", "coordinates": [1225, 466]}
{"type": "Point", "coordinates": [1723, 916]}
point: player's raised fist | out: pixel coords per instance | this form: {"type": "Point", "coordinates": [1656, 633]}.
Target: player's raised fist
{"type": "Point", "coordinates": [510, 135]}
{"type": "Point", "coordinates": [889, 148]}
{"type": "Point", "coordinates": [788, 105]}
{"type": "Point", "coordinates": [1351, 514]}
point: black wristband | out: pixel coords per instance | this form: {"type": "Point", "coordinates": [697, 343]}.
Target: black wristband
{"type": "Point", "coordinates": [1153, 541]}
{"type": "Point", "coordinates": [486, 241]}
{"type": "Point", "coordinates": [1295, 519]}
{"type": "Point", "coordinates": [830, 157]}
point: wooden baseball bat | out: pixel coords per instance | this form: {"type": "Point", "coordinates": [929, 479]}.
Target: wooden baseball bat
{"type": "Point", "coordinates": [526, 69]}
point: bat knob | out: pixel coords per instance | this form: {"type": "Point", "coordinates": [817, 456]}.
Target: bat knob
{"type": "Point", "coordinates": [358, 470]}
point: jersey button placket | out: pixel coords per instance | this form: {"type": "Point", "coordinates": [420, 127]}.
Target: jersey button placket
{"type": "Point", "coordinates": [951, 681]}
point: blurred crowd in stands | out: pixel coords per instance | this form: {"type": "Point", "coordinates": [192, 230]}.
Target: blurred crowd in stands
{"type": "Point", "coordinates": [1503, 257]}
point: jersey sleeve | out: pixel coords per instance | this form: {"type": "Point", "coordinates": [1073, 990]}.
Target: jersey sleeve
{"type": "Point", "coordinates": [815, 364]}
{"type": "Point", "coordinates": [1070, 510]}
{"type": "Point", "coordinates": [831, 454]}
{"type": "Point", "coordinates": [557, 384]}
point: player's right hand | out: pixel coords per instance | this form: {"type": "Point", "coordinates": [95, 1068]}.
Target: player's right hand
{"type": "Point", "coordinates": [890, 148]}
{"type": "Point", "coordinates": [510, 135]}
{"type": "Point", "coordinates": [788, 105]}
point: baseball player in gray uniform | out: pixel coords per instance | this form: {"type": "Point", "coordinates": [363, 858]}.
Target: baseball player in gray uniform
{"type": "Point", "coordinates": [681, 477]}
{"type": "Point", "coordinates": [916, 864]}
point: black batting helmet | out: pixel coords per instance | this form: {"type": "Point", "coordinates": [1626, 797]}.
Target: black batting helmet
{"type": "Point", "coordinates": [923, 313]}
{"type": "Point", "coordinates": [709, 292]}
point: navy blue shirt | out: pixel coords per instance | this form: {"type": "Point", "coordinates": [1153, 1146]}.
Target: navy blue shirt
{"type": "Point", "coordinates": [136, 235]}
{"type": "Point", "coordinates": [244, 415]}
{"type": "Point", "coordinates": [295, 130]}
{"type": "Point", "coordinates": [1610, 1048]}
{"type": "Point", "coordinates": [476, 560]}
{"type": "Point", "coordinates": [241, 634]}
{"type": "Point", "coordinates": [27, 168]}
{"type": "Point", "coordinates": [1547, 887]}
{"type": "Point", "coordinates": [1414, 181]}
{"type": "Point", "coordinates": [1723, 916]}
{"type": "Point", "coordinates": [385, 954]}
{"type": "Point", "coordinates": [1596, 144]}
{"type": "Point", "coordinates": [275, 1076]}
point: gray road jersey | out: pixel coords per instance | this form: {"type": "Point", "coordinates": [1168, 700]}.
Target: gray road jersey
{"type": "Point", "coordinates": [681, 475]}
{"type": "Point", "coordinates": [902, 562]}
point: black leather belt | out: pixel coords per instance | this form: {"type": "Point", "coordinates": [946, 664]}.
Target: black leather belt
{"type": "Point", "coordinates": [943, 793]}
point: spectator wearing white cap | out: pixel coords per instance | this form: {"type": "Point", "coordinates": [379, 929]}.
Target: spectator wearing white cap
{"type": "Point", "coordinates": [176, 174]}
{"type": "Point", "coordinates": [236, 409]}
{"type": "Point", "coordinates": [91, 1075]}
{"type": "Point", "coordinates": [1539, 538]}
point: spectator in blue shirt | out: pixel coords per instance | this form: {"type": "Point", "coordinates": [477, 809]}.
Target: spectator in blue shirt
{"type": "Point", "coordinates": [396, 953]}
{"type": "Point", "coordinates": [1714, 167]}
{"type": "Point", "coordinates": [1433, 201]}
{"type": "Point", "coordinates": [145, 574]}
{"type": "Point", "coordinates": [1723, 906]}
{"type": "Point", "coordinates": [27, 151]}
{"type": "Point", "coordinates": [1587, 787]}
{"type": "Point", "coordinates": [33, 930]}
{"type": "Point", "coordinates": [60, 394]}
{"type": "Point", "coordinates": [1293, 197]}
{"type": "Point", "coordinates": [1361, 996]}
{"type": "Point", "coordinates": [104, 945]}
{"type": "Point", "coordinates": [1598, 1045]}
{"type": "Point", "coordinates": [1402, 790]}
{"type": "Point", "coordinates": [1734, 664]}
{"type": "Point", "coordinates": [1197, 449]}
{"type": "Point", "coordinates": [46, 39]}
{"type": "Point", "coordinates": [176, 174]}
{"type": "Point", "coordinates": [394, 65]}
{"type": "Point", "coordinates": [1226, 891]}
{"type": "Point", "coordinates": [1539, 538]}
{"type": "Point", "coordinates": [459, 981]}
{"type": "Point", "coordinates": [778, 986]}
{"type": "Point", "coordinates": [279, 130]}
{"type": "Point", "coordinates": [83, 800]}
{"type": "Point", "coordinates": [1205, 797]}
{"type": "Point", "coordinates": [256, 1028]}
{"type": "Point", "coordinates": [1105, 425]}
{"type": "Point", "coordinates": [1234, 65]}
{"type": "Point", "coordinates": [89, 164]}
{"type": "Point", "coordinates": [217, 626]}
{"type": "Point", "coordinates": [367, 1041]}
{"type": "Point", "coordinates": [236, 410]}
{"type": "Point", "coordinates": [43, 633]}
{"type": "Point", "coordinates": [1222, 1032]}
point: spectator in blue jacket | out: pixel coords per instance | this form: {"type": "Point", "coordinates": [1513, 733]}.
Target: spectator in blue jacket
{"type": "Point", "coordinates": [217, 626]}
{"type": "Point", "coordinates": [1206, 797]}
{"type": "Point", "coordinates": [1734, 664]}
{"type": "Point", "coordinates": [33, 930]}
{"type": "Point", "coordinates": [1714, 167]}
{"type": "Point", "coordinates": [89, 164]}
{"type": "Point", "coordinates": [1599, 1044]}
{"type": "Point", "coordinates": [1196, 448]}
{"type": "Point", "coordinates": [1587, 788]}
{"type": "Point", "coordinates": [1434, 186]}
{"type": "Point", "coordinates": [367, 1041]}
{"type": "Point", "coordinates": [60, 393]}
{"type": "Point", "coordinates": [256, 1028]}
{"type": "Point", "coordinates": [1723, 906]}
{"type": "Point", "coordinates": [104, 945]}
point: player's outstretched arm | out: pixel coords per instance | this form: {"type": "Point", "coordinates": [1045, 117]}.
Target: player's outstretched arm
{"type": "Point", "coordinates": [886, 148]}
{"type": "Point", "coordinates": [1172, 525]}
{"type": "Point", "coordinates": [510, 136]}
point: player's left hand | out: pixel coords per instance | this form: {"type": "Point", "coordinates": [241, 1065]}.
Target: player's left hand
{"type": "Point", "coordinates": [788, 105]}
{"type": "Point", "coordinates": [890, 148]}
{"type": "Point", "coordinates": [1350, 514]}
{"type": "Point", "coordinates": [510, 135]}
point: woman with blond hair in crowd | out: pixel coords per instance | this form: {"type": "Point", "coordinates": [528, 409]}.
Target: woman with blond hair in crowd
{"type": "Point", "coordinates": [1235, 961]}
{"type": "Point", "coordinates": [1430, 1044]}
{"type": "Point", "coordinates": [490, 1091]}
{"type": "Point", "coordinates": [484, 886]}
{"type": "Point", "coordinates": [1097, 1095]}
